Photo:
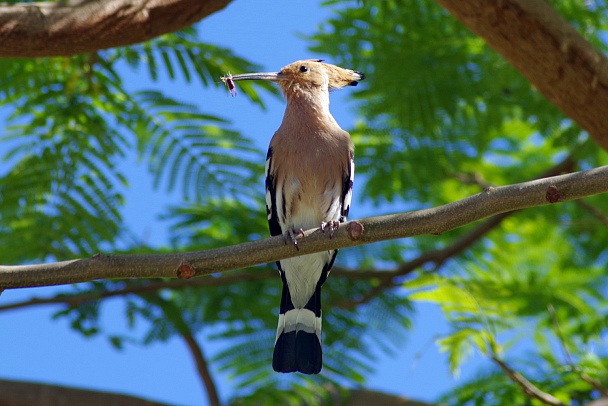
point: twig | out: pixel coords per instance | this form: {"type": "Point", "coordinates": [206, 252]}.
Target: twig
{"type": "Point", "coordinates": [594, 211]}
{"type": "Point", "coordinates": [174, 315]}
{"type": "Point", "coordinates": [203, 369]}
{"type": "Point", "coordinates": [597, 385]}
{"type": "Point", "coordinates": [558, 331]}
{"type": "Point", "coordinates": [140, 289]}
{"type": "Point", "coordinates": [429, 221]}
{"type": "Point", "coordinates": [528, 387]}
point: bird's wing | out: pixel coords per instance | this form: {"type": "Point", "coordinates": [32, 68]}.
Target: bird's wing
{"type": "Point", "coordinates": [347, 187]}
{"type": "Point", "coordinates": [271, 197]}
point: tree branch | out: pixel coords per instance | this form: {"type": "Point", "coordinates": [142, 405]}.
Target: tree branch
{"type": "Point", "coordinates": [388, 279]}
{"type": "Point", "coordinates": [203, 369]}
{"type": "Point", "coordinates": [597, 385]}
{"type": "Point", "coordinates": [139, 289]}
{"type": "Point", "coordinates": [429, 221]}
{"type": "Point", "coordinates": [174, 315]}
{"type": "Point", "coordinates": [28, 393]}
{"type": "Point", "coordinates": [31, 393]}
{"type": "Point", "coordinates": [438, 257]}
{"type": "Point", "coordinates": [69, 28]}
{"type": "Point", "coordinates": [528, 387]}
{"type": "Point", "coordinates": [594, 211]}
{"type": "Point", "coordinates": [569, 71]}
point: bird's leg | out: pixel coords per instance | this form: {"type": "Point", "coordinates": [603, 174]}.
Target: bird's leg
{"type": "Point", "coordinates": [332, 225]}
{"type": "Point", "coordinates": [292, 234]}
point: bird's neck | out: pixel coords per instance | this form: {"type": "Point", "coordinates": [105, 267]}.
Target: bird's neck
{"type": "Point", "coordinates": [309, 109]}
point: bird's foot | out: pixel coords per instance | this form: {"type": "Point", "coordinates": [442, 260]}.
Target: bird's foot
{"type": "Point", "coordinates": [332, 225]}
{"type": "Point", "coordinates": [292, 234]}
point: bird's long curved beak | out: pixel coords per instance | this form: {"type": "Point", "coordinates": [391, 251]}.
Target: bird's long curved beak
{"type": "Point", "coordinates": [269, 76]}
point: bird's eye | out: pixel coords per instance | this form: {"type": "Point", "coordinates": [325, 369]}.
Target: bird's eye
{"type": "Point", "coordinates": [303, 68]}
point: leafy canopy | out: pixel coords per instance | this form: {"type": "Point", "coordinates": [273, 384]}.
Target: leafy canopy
{"type": "Point", "coordinates": [441, 117]}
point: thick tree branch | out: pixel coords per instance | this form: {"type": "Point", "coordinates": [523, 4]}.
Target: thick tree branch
{"type": "Point", "coordinates": [430, 221]}
{"type": "Point", "coordinates": [366, 397]}
{"type": "Point", "coordinates": [17, 393]}
{"type": "Point", "coordinates": [68, 28]}
{"type": "Point", "coordinates": [569, 71]}
{"type": "Point", "coordinates": [388, 279]}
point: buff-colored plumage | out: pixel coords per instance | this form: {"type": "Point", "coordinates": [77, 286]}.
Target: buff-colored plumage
{"type": "Point", "coordinates": [309, 175]}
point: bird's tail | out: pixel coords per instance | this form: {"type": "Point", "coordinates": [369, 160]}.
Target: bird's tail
{"type": "Point", "coordinates": [298, 343]}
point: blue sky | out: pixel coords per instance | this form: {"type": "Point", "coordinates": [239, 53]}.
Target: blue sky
{"type": "Point", "coordinates": [35, 348]}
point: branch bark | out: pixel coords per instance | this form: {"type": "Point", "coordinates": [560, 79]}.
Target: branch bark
{"type": "Point", "coordinates": [569, 71]}
{"type": "Point", "coordinates": [387, 279]}
{"type": "Point", "coordinates": [69, 28]}
{"type": "Point", "coordinates": [430, 221]}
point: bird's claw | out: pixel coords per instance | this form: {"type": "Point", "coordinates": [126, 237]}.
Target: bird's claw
{"type": "Point", "coordinates": [332, 225]}
{"type": "Point", "coordinates": [292, 234]}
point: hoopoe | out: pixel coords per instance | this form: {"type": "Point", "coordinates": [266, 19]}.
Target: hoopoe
{"type": "Point", "coordinates": [309, 179]}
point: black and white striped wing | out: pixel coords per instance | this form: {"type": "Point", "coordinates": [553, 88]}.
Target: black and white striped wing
{"type": "Point", "coordinates": [347, 188]}
{"type": "Point", "coordinates": [271, 197]}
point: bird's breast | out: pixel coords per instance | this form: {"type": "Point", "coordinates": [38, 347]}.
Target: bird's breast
{"type": "Point", "coordinates": [309, 176]}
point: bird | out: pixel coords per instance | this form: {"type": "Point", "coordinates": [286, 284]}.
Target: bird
{"type": "Point", "coordinates": [309, 174]}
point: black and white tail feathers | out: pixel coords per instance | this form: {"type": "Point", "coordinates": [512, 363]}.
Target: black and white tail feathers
{"type": "Point", "coordinates": [298, 343]}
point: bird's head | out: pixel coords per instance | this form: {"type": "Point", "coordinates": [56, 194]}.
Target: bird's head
{"type": "Point", "coordinates": [308, 76]}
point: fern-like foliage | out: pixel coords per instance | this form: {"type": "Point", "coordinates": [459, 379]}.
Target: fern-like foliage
{"type": "Point", "coordinates": [71, 122]}
{"type": "Point", "coordinates": [195, 150]}
{"type": "Point", "coordinates": [183, 52]}
{"type": "Point", "coordinates": [59, 191]}
{"type": "Point", "coordinates": [534, 295]}
{"type": "Point", "coordinates": [493, 387]}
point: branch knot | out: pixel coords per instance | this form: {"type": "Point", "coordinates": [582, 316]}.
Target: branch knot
{"type": "Point", "coordinates": [355, 230]}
